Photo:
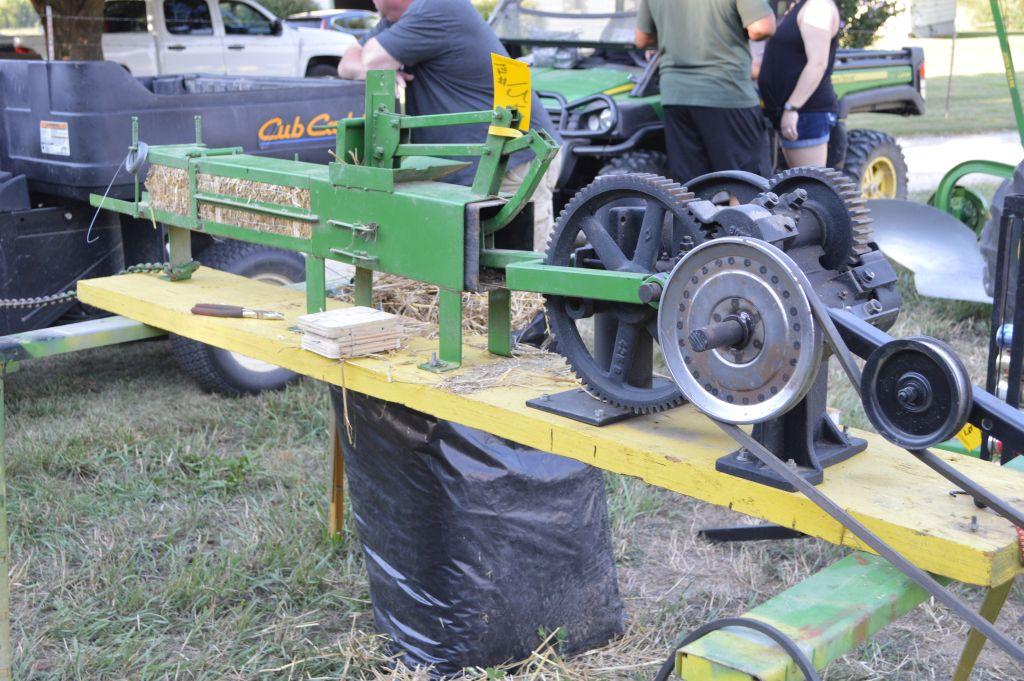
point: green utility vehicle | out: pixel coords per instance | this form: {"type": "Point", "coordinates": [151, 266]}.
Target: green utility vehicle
{"type": "Point", "coordinates": [603, 94]}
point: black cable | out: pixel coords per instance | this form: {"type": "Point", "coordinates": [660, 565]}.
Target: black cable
{"type": "Point", "coordinates": [768, 630]}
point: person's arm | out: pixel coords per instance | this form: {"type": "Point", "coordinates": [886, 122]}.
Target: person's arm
{"type": "Point", "coordinates": [757, 18]}
{"type": "Point", "coordinates": [646, 36]}
{"type": "Point", "coordinates": [762, 29]}
{"type": "Point", "coordinates": [756, 56]}
{"type": "Point", "coordinates": [351, 64]}
{"type": "Point", "coordinates": [818, 22]}
{"type": "Point", "coordinates": [645, 41]}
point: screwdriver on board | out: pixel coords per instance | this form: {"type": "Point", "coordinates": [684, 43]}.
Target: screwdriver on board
{"type": "Point", "coordinates": [236, 311]}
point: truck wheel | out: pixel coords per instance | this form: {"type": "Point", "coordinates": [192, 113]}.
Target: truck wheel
{"type": "Point", "coordinates": [875, 162]}
{"type": "Point", "coordinates": [639, 161]}
{"type": "Point", "coordinates": [230, 373]}
{"type": "Point", "coordinates": [322, 71]}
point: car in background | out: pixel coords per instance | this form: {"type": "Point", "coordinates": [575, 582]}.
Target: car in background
{"type": "Point", "coordinates": [355, 22]}
{"type": "Point", "coordinates": [232, 37]}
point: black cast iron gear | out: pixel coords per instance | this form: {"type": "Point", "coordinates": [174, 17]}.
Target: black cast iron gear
{"type": "Point", "coordinates": [845, 217]}
{"type": "Point", "coordinates": [625, 223]}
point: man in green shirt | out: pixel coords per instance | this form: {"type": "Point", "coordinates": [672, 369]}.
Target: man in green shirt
{"type": "Point", "coordinates": [713, 119]}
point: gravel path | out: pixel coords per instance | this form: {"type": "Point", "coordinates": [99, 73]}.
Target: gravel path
{"type": "Point", "coordinates": [928, 158]}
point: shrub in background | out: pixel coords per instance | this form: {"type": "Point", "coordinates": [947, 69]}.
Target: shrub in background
{"type": "Point", "coordinates": [861, 19]}
{"type": "Point", "coordinates": [284, 8]}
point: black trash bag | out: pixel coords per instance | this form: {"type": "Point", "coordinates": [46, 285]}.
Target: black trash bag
{"type": "Point", "coordinates": [476, 548]}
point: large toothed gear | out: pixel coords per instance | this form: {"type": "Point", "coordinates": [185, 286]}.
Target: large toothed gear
{"type": "Point", "coordinates": [627, 223]}
{"type": "Point", "coordinates": [836, 200]}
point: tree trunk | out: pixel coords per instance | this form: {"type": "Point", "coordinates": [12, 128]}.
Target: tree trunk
{"type": "Point", "coordinates": [77, 28]}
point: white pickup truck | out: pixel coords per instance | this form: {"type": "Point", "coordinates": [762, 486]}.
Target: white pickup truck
{"type": "Point", "coordinates": [235, 37]}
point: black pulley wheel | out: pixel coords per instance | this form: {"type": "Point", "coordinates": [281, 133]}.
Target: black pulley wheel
{"type": "Point", "coordinates": [627, 223]}
{"type": "Point", "coordinates": [916, 392]}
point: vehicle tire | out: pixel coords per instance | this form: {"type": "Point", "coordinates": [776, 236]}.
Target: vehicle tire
{"type": "Point", "coordinates": [875, 162]}
{"type": "Point", "coordinates": [638, 161]}
{"type": "Point", "coordinates": [229, 373]}
{"type": "Point", "coordinates": [322, 71]}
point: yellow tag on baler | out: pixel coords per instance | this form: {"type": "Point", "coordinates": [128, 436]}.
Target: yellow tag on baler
{"type": "Point", "coordinates": [970, 437]}
{"type": "Point", "coordinates": [512, 87]}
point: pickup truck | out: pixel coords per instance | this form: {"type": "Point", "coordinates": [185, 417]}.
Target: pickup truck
{"type": "Point", "coordinates": [232, 37]}
{"type": "Point", "coordinates": [603, 94]}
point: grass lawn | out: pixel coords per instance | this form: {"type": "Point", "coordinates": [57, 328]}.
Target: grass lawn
{"type": "Point", "coordinates": [159, 532]}
{"type": "Point", "coordinates": [980, 100]}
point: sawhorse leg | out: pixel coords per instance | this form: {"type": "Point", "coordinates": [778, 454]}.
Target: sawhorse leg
{"type": "Point", "coordinates": [5, 554]}
{"type": "Point", "coordinates": [990, 609]}
{"type": "Point", "coordinates": [336, 511]}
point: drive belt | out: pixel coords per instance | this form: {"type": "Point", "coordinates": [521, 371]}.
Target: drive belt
{"type": "Point", "coordinates": [869, 538]}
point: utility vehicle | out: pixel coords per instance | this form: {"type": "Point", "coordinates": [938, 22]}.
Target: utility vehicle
{"type": "Point", "coordinates": [604, 94]}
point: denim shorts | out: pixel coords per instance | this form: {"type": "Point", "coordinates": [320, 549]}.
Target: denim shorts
{"type": "Point", "coordinates": [812, 128]}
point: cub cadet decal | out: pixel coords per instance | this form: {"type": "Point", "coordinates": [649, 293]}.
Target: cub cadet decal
{"type": "Point", "coordinates": [275, 131]}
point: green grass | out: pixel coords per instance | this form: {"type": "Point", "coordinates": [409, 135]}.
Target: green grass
{"type": "Point", "coordinates": [159, 532]}
{"type": "Point", "coordinates": [980, 103]}
{"type": "Point", "coordinates": [980, 100]}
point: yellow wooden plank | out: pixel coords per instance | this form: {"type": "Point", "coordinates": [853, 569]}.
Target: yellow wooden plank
{"type": "Point", "coordinates": [885, 487]}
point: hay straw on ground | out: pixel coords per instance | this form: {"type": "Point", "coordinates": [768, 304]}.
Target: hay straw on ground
{"type": "Point", "coordinates": [418, 303]}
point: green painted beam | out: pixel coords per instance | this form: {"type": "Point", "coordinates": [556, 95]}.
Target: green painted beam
{"type": "Point", "coordinates": [617, 287]}
{"type": "Point", "coordinates": [827, 615]}
{"type": "Point", "coordinates": [60, 340]}
{"type": "Point", "coordinates": [500, 258]}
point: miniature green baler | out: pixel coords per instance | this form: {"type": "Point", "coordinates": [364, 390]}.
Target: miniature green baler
{"type": "Point", "coordinates": [379, 206]}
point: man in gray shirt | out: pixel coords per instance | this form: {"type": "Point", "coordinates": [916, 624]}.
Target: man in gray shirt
{"type": "Point", "coordinates": [443, 48]}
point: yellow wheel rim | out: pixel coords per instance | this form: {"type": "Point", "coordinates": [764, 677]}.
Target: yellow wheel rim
{"type": "Point", "coordinates": [879, 179]}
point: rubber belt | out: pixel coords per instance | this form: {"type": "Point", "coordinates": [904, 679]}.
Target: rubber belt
{"type": "Point", "coordinates": [919, 576]}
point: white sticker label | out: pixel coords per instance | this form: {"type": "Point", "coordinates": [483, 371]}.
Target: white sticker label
{"type": "Point", "coordinates": [53, 138]}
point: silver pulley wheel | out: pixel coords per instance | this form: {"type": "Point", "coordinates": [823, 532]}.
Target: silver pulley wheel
{"type": "Point", "coordinates": [737, 331]}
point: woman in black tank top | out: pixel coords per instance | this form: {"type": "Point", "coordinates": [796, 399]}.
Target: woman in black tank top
{"type": "Point", "coordinates": [796, 80]}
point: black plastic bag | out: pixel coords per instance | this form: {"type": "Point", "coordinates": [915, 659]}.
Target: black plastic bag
{"type": "Point", "coordinates": [476, 548]}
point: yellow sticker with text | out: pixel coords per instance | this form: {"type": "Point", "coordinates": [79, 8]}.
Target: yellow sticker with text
{"type": "Point", "coordinates": [970, 437]}
{"type": "Point", "coordinates": [512, 86]}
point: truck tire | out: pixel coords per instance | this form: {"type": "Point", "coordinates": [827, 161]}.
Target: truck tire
{"type": "Point", "coordinates": [638, 161]}
{"type": "Point", "coordinates": [229, 373]}
{"type": "Point", "coordinates": [322, 71]}
{"type": "Point", "coordinates": [875, 162]}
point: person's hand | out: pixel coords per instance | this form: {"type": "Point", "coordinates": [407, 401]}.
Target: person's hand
{"type": "Point", "coordinates": [404, 76]}
{"type": "Point", "coordinates": [788, 125]}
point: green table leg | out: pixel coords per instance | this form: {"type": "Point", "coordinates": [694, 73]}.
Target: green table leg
{"type": "Point", "coordinates": [499, 322]}
{"type": "Point", "coordinates": [449, 355]}
{"type": "Point", "coordinates": [179, 243]}
{"type": "Point", "coordinates": [364, 287]}
{"type": "Point", "coordinates": [316, 284]}
{"type": "Point", "coordinates": [990, 609]}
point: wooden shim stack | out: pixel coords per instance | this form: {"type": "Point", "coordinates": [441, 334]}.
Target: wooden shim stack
{"type": "Point", "coordinates": [351, 332]}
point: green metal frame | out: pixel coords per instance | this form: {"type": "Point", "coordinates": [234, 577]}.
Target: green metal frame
{"type": "Point", "coordinates": [382, 206]}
